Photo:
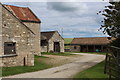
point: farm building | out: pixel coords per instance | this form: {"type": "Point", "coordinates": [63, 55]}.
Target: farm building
{"type": "Point", "coordinates": [30, 20]}
{"type": "Point", "coordinates": [17, 38]}
{"type": "Point", "coordinates": [52, 41]}
{"type": "Point", "coordinates": [92, 44]}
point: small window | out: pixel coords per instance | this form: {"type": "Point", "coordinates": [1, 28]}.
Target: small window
{"type": "Point", "coordinates": [9, 48]}
{"type": "Point", "coordinates": [75, 47]}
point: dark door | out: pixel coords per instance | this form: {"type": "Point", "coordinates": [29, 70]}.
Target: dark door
{"type": "Point", "coordinates": [56, 47]}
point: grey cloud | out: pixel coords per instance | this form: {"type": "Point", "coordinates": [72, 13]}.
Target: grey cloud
{"type": "Point", "coordinates": [64, 6]}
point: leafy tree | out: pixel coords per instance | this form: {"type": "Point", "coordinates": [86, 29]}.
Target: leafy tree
{"type": "Point", "coordinates": [111, 22]}
{"type": "Point", "coordinates": [111, 26]}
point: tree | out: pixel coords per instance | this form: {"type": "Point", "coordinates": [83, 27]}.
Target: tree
{"type": "Point", "coordinates": [111, 22]}
{"type": "Point", "coordinates": [111, 26]}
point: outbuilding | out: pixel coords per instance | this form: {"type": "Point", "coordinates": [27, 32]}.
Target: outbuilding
{"type": "Point", "coordinates": [27, 17]}
{"type": "Point", "coordinates": [90, 44]}
{"type": "Point", "coordinates": [17, 40]}
{"type": "Point", "coordinates": [52, 41]}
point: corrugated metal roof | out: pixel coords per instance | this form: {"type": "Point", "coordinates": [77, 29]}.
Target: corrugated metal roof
{"type": "Point", "coordinates": [23, 13]}
{"type": "Point", "coordinates": [91, 41]}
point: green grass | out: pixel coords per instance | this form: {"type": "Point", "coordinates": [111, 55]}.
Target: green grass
{"type": "Point", "coordinates": [96, 71]}
{"type": "Point", "coordinates": [0, 71]}
{"type": "Point", "coordinates": [59, 54]}
{"type": "Point", "coordinates": [68, 40]}
{"type": "Point", "coordinates": [39, 65]}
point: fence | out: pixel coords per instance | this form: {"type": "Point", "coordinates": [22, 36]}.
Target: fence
{"type": "Point", "coordinates": [112, 64]}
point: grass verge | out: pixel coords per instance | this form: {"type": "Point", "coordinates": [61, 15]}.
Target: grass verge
{"type": "Point", "coordinates": [39, 65]}
{"type": "Point", "coordinates": [92, 73]}
{"type": "Point", "coordinates": [59, 54]}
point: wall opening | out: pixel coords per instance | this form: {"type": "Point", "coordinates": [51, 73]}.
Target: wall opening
{"type": "Point", "coordinates": [56, 47]}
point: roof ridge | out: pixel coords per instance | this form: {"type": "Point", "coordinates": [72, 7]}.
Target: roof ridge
{"type": "Point", "coordinates": [14, 5]}
{"type": "Point", "coordinates": [48, 31]}
{"type": "Point", "coordinates": [90, 37]}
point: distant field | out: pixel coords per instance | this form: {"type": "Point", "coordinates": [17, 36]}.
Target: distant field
{"type": "Point", "coordinates": [68, 40]}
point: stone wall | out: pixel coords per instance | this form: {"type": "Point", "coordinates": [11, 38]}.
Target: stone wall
{"type": "Point", "coordinates": [1, 33]}
{"type": "Point", "coordinates": [43, 48]}
{"type": "Point", "coordinates": [35, 27]}
{"type": "Point", "coordinates": [1, 39]}
{"type": "Point", "coordinates": [13, 30]}
{"type": "Point", "coordinates": [55, 38]}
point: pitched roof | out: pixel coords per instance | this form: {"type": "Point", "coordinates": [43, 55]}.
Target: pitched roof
{"type": "Point", "coordinates": [43, 37]}
{"type": "Point", "coordinates": [91, 41]}
{"type": "Point", "coordinates": [23, 13]}
{"type": "Point", "coordinates": [18, 19]}
{"type": "Point", "coordinates": [48, 34]}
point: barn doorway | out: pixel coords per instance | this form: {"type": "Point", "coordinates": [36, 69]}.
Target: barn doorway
{"type": "Point", "coordinates": [83, 48]}
{"type": "Point", "coordinates": [56, 47]}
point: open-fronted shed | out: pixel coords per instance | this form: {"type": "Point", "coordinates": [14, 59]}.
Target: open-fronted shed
{"type": "Point", "coordinates": [90, 44]}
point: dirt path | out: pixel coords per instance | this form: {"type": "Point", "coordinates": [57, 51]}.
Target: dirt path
{"type": "Point", "coordinates": [67, 70]}
{"type": "Point", "coordinates": [56, 60]}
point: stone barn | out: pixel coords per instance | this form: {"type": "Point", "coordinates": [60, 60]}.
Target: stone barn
{"type": "Point", "coordinates": [91, 44]}
{"type": "Point", "coordinates": [52, 41]}
{"type": "Point", "coordinates": [30, 20]}
{"type": "Point", "coordinates": [17, 40]}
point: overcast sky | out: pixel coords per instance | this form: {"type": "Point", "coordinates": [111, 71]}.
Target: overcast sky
{"type": "Point", "coordinates": [75, 19]}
